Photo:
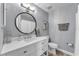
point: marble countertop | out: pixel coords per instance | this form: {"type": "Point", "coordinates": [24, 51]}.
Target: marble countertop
{"type": "Point", "coordinates": [19, 44]}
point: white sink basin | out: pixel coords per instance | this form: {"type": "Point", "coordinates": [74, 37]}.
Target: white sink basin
{"type": "Point", "coordinates": [23, 38]}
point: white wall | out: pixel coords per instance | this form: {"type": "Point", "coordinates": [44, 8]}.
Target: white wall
{"type": "Point", "coordinates": [77, 34]}
{"type": "Point", "coordinates": [63, 14]}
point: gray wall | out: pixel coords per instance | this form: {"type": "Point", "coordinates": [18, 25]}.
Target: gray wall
{"type": "Point", "coordinates": [41, 17]}
{"type": "Point", "coordinates": [12, 9]}
{"type": "Point", "coordinates": [63, 14]}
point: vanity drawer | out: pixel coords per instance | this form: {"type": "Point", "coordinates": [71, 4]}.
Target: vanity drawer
{"type": "Point", "coordinates": [25, 51]}
{"type": "Point", "coordinates": [33, 53]}
{"type": "Point", "coordinates": [42, 46]}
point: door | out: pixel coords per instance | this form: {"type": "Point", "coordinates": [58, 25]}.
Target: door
{"type": "Point", "coordinates": [1, 26]}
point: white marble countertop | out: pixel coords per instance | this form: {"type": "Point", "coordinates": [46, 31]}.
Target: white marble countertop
{"type": "Point", "coordinates": [19, 44]}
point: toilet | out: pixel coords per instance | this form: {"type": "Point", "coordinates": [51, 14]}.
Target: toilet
{"type": "Point", "coordinates": [53, 47]}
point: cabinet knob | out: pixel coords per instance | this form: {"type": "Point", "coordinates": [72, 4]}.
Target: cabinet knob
{"type": "Point", "coordinates": [25, 51]}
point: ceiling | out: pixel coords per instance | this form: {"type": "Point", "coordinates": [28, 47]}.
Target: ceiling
{"type": "Point", "coordinates": [50, 6]}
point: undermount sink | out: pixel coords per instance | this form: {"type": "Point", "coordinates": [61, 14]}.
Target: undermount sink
{"type": "Point", "coordinates": [23, 38]}
{"type": "Point", "coordinates": [29, 39]}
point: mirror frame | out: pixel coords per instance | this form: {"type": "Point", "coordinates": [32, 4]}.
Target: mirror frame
{"type": "Point", "coordinates": [33, 19]}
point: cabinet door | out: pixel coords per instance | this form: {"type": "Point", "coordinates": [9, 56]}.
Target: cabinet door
{"type": "Point", "coordinates": [25, 51]}
{"type": "Point", "coordinates": [42, 46]}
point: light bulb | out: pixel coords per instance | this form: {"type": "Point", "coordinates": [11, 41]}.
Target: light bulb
{"type": "Point", "coordinates": [26, 5]}
{"type": "Point", "coordinates": [32, 8]}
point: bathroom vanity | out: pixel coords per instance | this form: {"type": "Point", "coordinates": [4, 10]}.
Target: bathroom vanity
{"type": "Point", "coordinates": [18, 26]}
{"type": "Point", "coordinates": [35, 46]}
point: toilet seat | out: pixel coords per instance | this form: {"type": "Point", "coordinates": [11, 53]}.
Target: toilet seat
{"type": "Point", "coordinates": [52, 45]}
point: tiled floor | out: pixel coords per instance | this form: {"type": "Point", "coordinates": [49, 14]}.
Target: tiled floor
{"type": "Point", "coordinates": [58, 53]}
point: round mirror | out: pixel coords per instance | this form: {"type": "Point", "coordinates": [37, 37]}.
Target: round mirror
{"type": "Point", "coordinates": [25, 23]}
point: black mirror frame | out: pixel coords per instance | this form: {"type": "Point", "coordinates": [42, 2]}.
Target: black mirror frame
{"type": "Point", "coordinates": [19, 29]}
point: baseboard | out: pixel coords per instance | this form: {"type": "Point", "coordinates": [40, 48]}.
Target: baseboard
{"type": "Point", "coordinates": [66, 52]}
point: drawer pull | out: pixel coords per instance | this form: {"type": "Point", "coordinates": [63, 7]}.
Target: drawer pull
{"type": "Point", "coordinates": [42, 42]}
{"type": "Point", "coordinates": [25, 51]}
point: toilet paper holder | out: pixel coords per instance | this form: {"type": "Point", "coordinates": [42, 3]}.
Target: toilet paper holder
{"type": "Point", "coordinates": [70, 44]}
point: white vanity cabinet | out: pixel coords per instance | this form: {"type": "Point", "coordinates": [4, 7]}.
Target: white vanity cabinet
{"type": "Point", "coordinates": [34, 48]}
{"type": "Point", "coordinates": [42, 47]}
{"type": "Point", "coordinates": [24, 51]}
